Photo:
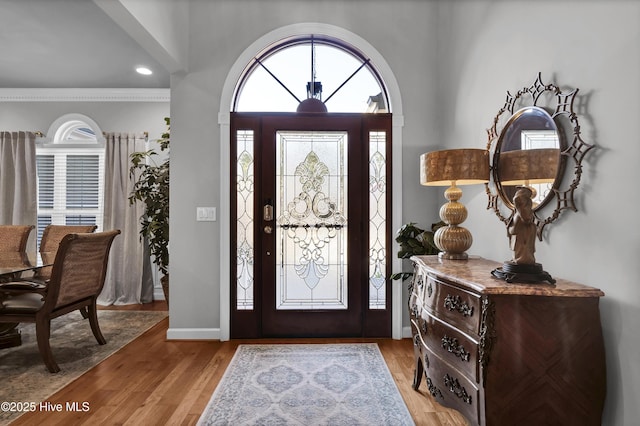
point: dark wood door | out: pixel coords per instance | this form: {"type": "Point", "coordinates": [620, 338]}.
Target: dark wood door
{"type": "Point", "coordinates": [312, 258]}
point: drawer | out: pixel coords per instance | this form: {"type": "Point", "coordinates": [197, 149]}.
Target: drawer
{"type": "Point", "coordinates": [450, 389]}
{"type": "Point", "coordinates": [453, 305]}
{"type": "Point", "coordinates": [451, 345]}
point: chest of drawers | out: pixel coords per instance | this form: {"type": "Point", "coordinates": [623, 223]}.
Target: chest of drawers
{"type": "Point", "coordinates": [507, 354]}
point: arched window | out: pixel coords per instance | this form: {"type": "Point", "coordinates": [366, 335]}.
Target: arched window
{"type": "Point", "coordinates": [76, 132]}
{"type": "Point", "coordinates": [70, 173]}
{"type": "Point", "coordinates": [284, 75]}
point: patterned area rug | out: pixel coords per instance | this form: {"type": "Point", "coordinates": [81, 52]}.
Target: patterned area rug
{"type": "Point", "coordinates": [25, 377]}
{"type": "Point", "coordinates": [309, 384]}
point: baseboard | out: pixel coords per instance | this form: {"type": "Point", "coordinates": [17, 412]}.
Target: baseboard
{"type": "Point", "coordinates": [193, 334]}
{"type": "Point", "coordinates": [406, 333]}
{"type": "Point", "coordinates": [158, 294]}
{"type": "Point", "coordinates": [214, 333]}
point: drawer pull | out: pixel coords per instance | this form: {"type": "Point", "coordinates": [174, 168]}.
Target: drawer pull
{"type": "Point", "coordinates": [452, 346]}
{"type": "Point", "coordinates": [414, 310]}
{"type": "Point", "coordinates": [429, 289]}
{"type": "Point", "coordinates": [455, 388]}
{"type": "Point", "coordinates": [416, 340]}
{"type": "Point", "coordinates": [455, 303]}
{"type": "Point", "coordinates": [417, 281]}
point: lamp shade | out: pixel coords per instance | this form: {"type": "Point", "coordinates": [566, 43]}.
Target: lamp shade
{"type": "Point", "coordinates": [528, 166]}
{"type": "Point", "coordinates": [462, 166]}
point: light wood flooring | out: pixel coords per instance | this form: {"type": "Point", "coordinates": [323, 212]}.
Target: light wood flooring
{"type": "Point", "coordinates": [152, 381]}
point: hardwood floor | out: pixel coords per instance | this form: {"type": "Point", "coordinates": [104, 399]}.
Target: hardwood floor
{"type": "Point", "coordinates": [152, 381]}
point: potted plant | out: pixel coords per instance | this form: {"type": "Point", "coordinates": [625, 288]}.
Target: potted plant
{"type": "Point", "coordinates": [415, 241]}
{"type": "Point", "coordinates": [151, 187]}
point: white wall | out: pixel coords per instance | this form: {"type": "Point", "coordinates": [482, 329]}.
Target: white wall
{"type": "Point", "coordinates": [454, 62]}
{"type": "Point", "coordinates": [220, 32]}
{"type": "Point", "coordinates": [593, 45]}
{"type": "Point", "coordinates": [110, 116]}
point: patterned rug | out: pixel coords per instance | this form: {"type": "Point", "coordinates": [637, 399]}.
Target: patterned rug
{"type": "Point", "coordinates": [25, 377]}
{"type": "Point", "coordinates": [308, 384]}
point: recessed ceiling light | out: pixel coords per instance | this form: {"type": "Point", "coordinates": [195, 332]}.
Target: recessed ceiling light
{"type": "Point", "coordinates": [144, 71]}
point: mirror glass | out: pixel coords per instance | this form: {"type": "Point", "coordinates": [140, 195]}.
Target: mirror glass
{"type": "Point", "coordinates": [528, 154]}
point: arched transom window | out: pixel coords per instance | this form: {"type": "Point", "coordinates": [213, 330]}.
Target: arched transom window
{"type": "Point", "coordinates": [331, 73]}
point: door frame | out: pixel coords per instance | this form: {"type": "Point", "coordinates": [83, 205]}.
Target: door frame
{"type": "Point", "coordinates": [264, 126]}
{"type": "Point", "coordinates": [398, 299]}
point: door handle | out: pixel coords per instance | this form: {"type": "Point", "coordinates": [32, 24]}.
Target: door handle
{"type": "Point", "coordinates": [267, 211]}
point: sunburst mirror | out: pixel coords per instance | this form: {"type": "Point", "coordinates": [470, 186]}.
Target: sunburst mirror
{"type": "Point", "coordinates": [536, 149]}
{"type": "Point", "coordinates": [540, 119]}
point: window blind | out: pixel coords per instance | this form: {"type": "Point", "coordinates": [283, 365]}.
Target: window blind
{"type": "Point", "coordinates": [70, 186]}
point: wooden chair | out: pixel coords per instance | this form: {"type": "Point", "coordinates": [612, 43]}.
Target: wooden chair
{"type": "Point", "coordinates": [53, 234]}
{"type": "Point", "coordinates": [51, 237]}
{"type": "Point", "coordinates": [77, 279]}
{"type": "Point", "coordinates": [14, 237]}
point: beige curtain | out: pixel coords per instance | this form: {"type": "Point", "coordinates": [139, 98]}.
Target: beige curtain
{"type": "Point", "coordinates": [18, 180]}
{"type": "Point", "coordinates": [129, 275]}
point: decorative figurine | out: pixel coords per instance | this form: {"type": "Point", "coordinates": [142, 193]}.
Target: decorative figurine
{"type": "Point", "coordinates": [522, 229]}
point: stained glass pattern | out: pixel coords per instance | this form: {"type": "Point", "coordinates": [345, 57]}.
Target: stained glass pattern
{"type": "Point", "coordinates": [245, 221]}
{"type": "Point", "coordinates": [377, 220]}
{"type": "Point", "coordinates": [311, 231]}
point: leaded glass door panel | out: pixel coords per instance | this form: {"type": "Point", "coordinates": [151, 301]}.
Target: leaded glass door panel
{"type": "Point", "coordinates": [311, 225]}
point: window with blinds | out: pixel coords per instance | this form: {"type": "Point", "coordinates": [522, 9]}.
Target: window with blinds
{"type": "Point", "coordinates": [70, 181]}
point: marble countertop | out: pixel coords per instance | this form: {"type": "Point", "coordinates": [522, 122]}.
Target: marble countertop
{"type": "Point", "coordinates": [475, 273]}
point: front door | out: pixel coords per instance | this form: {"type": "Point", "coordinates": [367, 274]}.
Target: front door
{"type": "Point", "coordinates": [311, 225]}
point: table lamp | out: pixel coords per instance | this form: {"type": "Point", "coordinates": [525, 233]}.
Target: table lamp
{"type": "Point", "coordinates": [453, 167]}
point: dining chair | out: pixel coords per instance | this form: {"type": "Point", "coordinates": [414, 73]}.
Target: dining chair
{"type": "Point", "coordinates": [14, 237]}
{"type": "Point", "coordinates": [77, 278]}
{"type": "Point", "coordinates": [53, 234]}
{"type": "Point", "coordinates": [51, 237]}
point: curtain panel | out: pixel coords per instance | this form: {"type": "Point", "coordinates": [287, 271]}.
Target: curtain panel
{"type": "Point", "coordinates": [18, 192]}
{"type": "Point", "coordinates": [129, 277]}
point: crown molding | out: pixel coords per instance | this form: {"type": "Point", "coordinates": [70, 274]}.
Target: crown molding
{"type": "Point", "coordinates": [83, 95]}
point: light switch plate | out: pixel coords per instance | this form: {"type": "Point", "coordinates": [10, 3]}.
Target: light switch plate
{"type": "Point", "coordinates": [206, 214]}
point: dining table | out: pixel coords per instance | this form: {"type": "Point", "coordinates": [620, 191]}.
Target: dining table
{"type": "Point", "coordinates": [15, 266]}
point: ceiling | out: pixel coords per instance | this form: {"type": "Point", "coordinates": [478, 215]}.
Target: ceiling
{"type": "Point", "coordinates": [69, 44]}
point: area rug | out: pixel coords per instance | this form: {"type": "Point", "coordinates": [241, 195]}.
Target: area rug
{"type": "Point", "coordinates": [25, 377]}
{"type": "Point", "coordinates": [307, 384]}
